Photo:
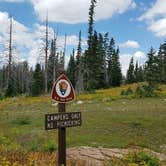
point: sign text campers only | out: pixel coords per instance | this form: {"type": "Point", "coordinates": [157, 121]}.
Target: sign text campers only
{"type": "Point", "coordinates": [60, 120]}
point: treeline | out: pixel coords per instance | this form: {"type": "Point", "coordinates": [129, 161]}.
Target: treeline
{"type": "Point", "coordinates": [154, 69]}
{"type": "Point", "coordinates": [26, 80]}
{"type": "Point", "coordinates": [105, 69]}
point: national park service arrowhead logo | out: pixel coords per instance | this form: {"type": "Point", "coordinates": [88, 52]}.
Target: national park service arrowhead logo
{"type": "Point", "coordinates": [63, 90]}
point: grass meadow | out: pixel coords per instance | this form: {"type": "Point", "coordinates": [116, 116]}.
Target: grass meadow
{"type": "Point", "coordinates": [108, 120]}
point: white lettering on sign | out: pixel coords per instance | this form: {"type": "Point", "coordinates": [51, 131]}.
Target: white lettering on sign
{"type": "Point", "coordinates": [60, 120]}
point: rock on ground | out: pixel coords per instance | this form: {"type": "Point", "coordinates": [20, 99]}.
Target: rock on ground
{"type": "Point", "coordinates": [97, 156]}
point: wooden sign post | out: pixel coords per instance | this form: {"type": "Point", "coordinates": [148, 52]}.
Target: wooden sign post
{"type": "Point", "coordinates": [62, 92]}
{"type": "Point", "coordinates": [62, 139]}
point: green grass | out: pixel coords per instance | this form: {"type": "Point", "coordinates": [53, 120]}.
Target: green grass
{"type": "Point", "coordinates": [108, 123]}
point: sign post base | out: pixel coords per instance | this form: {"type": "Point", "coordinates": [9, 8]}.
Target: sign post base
{"type": "Point", "coordinates": [62, 139]}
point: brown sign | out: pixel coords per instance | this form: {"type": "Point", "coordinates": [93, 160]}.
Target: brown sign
{"type": "Point", "coordinates": [63, 90]}
{"type": "Point", "coordinates": [62, 120]}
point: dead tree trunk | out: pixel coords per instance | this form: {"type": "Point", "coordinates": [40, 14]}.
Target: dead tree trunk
{"type": "Point", "coordinates": [10, 53]}
{"type": "Point", "coordinates": [54, 56]}
{"type": "Point", "coordinates": [46, 56]}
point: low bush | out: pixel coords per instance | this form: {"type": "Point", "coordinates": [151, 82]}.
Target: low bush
{"type": "Point", "coordinates": [1, 96]}
{"type": "Point", "coordinates": [139, 91]}
{"type": "Point", "coordinates": [129, 91]}
{"type": "Point", "coordinates": [123, 93]}
{"type": "Point", "coordinates": [22, 121]}
{"type": "Point", "coordinates": [142, 159]}
{"type": "Point", "coordinates": [149, 91]}
{"type": "Point", "coordinates": [50, 146]}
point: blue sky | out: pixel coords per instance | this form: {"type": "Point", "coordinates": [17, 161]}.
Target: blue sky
{"type": "Point", "coordinates": [136, 25]}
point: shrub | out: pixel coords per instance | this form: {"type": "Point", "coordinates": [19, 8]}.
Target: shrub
{"type": "Point", "coordinates": [139, 91]}
{"type": "Point", "coordinates": [34, 147]}
{"type": "Point", "coordinates": [129, 91]}
{"type": "Point", "coordinates": [22, 121]}
{"type": "Point", "coordinates": [142, 158]}
{"type": "Point", "coordinates": [123, 92]}
{"type": "Point", "coordinates": [50, 147]}
{"type": "Point", "coordinates": [149, 90]}
{"type": "Point", "coordinates": [1, 96]}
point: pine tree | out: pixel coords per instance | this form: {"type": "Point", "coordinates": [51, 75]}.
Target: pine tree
{"type": "Point", "coordinates": [100, 61]}
{"type": "Point", "coordinates": [116, 74]}
{"type": "Point", "coordinates": [37, 81]}
{"type": "Point", "coordinates": [130, 72]}
{"type": "Point", "coordinates": [79, 51]}
{"type": "Point", "coordinates": [136, 72]}
{"type": "Point", "coordinates": [140, 75]}
{"type": "Point", "coordinates": [91, 23]}
{"type": "Point", "coordinates": [71, 70]}
{"type": "Point", "coordinates": [162, 62]}
{"type": "Point", "coordinates": [79, 68]}
{"type": "Point", "coordinates": [152, 68]}
{"type": "Point", "coordinates": [110, 53]}
{"type": "Point", "coordinates": [93, 63]}
{"type": "Point", "coordinates": [89, 59]}
{"type": "Point", "coordinates": [4, 77]}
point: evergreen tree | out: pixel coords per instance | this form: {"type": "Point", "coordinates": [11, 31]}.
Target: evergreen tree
{"type": "Point", "coordinates": [93, 63]}
{"type": "Point", "coordinates": [100, 61]}
{"type": "Point", "coordinates": [3, 77]}
{"type": "Point", "coordinates": [162, 62]}
{"type": "Point", "coordinates": [140, 75]}
{"type": "Point", "coordinates": [37, 81]}
{"type": "Point", "coordinates": [110, 53]}
{"type": "Point", "coordinates": [89, 59]}
{"type": "Point", "coordinates": [130, 72]}
{"type": "Point", "coordinates": [71, 70]}
{"type": "Point", "coordinates": [91, 23]}
{"type": "Point", "coordinates": [79, 51]}
{"type": "Point", "coordinates": [79, 68]}
{"type": "Point", "coordinates": [152, 68]}
{"type": "Point", "coordinates": [116, 75]}
{"type": "Point", "coordinates": [136, 72]}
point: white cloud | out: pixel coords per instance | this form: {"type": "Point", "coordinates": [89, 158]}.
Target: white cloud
{"type": "Point", "coordinates": [71, 40]}
{"type": "Point", "coordinates": [30, 42]}
{"type": "Point", "coordinates": [67, 58]}
{"type": "Point", "coordinates": [21, 35]}
{"type": "Point", "coordinates": [13, 0]}
{"type": "Point", "coordinates": [130, 44]}
{"type": "Point", "coordinates": [76, 11]}
{"type": "Point", "coordinates": [139, 54]}
{"type": "Point", "coordinates": [156, 18]}
{"type": "Point", "coordinates": [158, 9]}
{"type": "Point", "coordinates": [125, 60]}
{"type": "Point", "coordinates": [133, 5]}
{"type": "Point", "coordinates": [158, 27]}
